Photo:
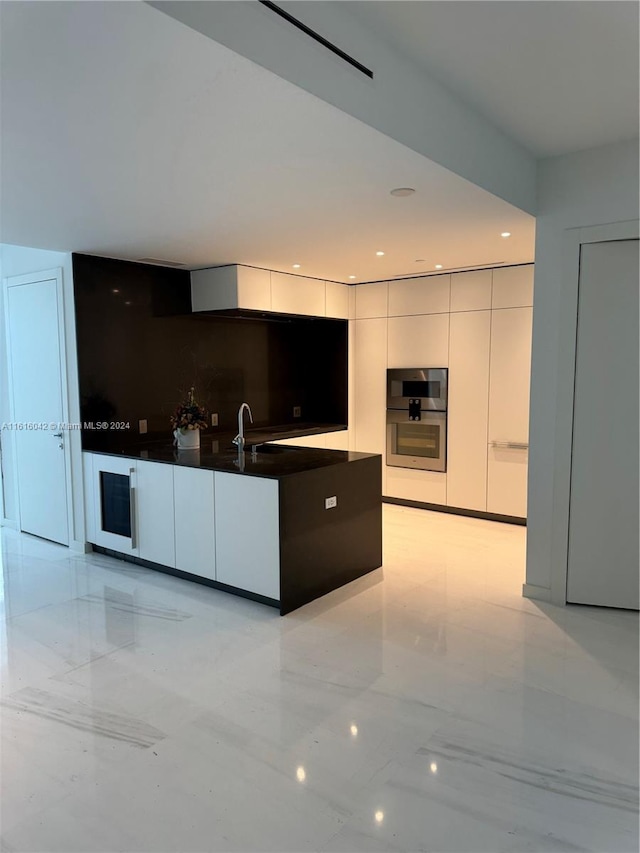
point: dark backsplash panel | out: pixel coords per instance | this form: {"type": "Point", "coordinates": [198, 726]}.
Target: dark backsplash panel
{"type": "Point", "coordinates": [140, 350]}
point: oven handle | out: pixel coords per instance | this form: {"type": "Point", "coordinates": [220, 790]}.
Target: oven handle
{"type": "Point", "coordinates": [511, 445]}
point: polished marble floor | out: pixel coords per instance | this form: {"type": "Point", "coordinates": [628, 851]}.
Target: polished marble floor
{"type": "Point", "coordinates": [427, 707]}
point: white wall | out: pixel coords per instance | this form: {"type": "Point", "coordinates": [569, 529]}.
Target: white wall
{"type": "Point", "coordinates": [20, 260]}
{"type": "Point", "coordinates": [401, 101]}
{"type": "Point", "coordinates": [583, 189]}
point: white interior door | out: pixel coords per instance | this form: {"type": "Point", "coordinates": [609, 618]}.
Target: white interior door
{"type": "Point", "coordinates": [603, 520]}
{"type": "Point", "coordinates": [35, 354]}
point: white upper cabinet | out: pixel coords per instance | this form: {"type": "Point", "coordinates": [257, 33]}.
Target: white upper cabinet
{"type": "Point", "coordinates": [424, 295]}
{"type": "Point", "coordinates": [371, 300]}
{"type": "Point", "coordinates": [513, 287]}
{"type": "Point", "coordinates": [419, 341]}
{"type": "Point", "coordinates": [295, 294]}
{"type": "Point", "coordinates": [337, 296]}
{"type": "Point", "coordinates": [234, 286]}
{"type": "Point", "coordinates": [471, 291]}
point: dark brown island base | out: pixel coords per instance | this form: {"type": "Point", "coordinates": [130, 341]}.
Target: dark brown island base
{"type": "Point", "coordinates": [283, 526]}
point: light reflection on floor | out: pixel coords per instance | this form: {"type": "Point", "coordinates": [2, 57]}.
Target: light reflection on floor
{"type": "Point", "coordinates": [425, 707]}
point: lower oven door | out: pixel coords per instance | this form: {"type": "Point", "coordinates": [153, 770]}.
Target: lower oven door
{"type": "Point", "coordinates": [417, 444]}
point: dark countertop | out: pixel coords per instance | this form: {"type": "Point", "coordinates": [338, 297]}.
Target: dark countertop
{"type": "Point", "coordinates": [272, 460]}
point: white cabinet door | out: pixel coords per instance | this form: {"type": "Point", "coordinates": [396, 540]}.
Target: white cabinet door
{"type": "Point", "coordinates": [370, 378]}
{"type": "Point", "coordinates": [471, 291]}
{"type": "Point", "coordinates": [413, 485]}
{"type": "Point", "coordinates": [114, 493]}
{"type": "Point", "coordinates": [467, 423]}
{"type": "Point", "coordinates": [509, 410]}
{"type": "Point", "coordinates": [232, 286]}
{"type": "Point", "coordinates": [337, 300]}
{"type": "Point", "coordinates": [425, 295]}
{"type": "Point", "coordinates": [419, 341]}
{"type": "Point", "coordinates": [247, 533]}
{"type": "Point", "coordinates": [372, 300]}
{"type": "Point", "coordinates": [154, 512]}
{"type": "Point", "coordinates": [193, 492]}
{"type": "Point", "coordinates": [513, 287]}
{"type": "Point", "coordinates": [295, 294]}
{"type": "Point", "coordinates": [507, 480]}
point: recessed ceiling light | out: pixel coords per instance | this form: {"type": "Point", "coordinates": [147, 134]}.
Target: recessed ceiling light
{"type": "Point", "coordinates": [400, 192]}
{"type": "Point", "coordinates": [352, 276]}
{"type": "Point", "coordinates": [379, 254]}
{"type": "Point", "coordinates": [379, 816]}
{"type": "Point", "coordinates": [506, 234]}
{"type": "Point", "coordinates": [296, 266]}
{"type": "Point", "coordinates": [115, 290]}
{"type": "Point", "coordinates": [438, 266]}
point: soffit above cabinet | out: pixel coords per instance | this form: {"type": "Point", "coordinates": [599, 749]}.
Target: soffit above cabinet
{"type": "Point", "coordinates": [241, 288]}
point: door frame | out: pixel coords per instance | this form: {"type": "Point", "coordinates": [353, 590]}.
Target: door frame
{"type": "Point", "coordinates": [18, 281]}
{"type": "Point", "coordinates": [574, 239]}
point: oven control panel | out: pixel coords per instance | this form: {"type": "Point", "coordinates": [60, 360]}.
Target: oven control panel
{"type": "Point", "coordinates": [414, 409]}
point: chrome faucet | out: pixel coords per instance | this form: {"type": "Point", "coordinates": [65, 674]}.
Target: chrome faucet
{"type": "Point", "coordinates": [239, 439]}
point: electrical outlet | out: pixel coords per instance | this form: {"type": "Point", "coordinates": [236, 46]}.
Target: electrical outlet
{"type": "Point", "coordinates": [330, 503]}
{"type": "Point", "coordinates": [297, 411]}
{"type": "Point", "coordinates": [142, 426]}
{"type": "Point", "coordinates": [214, 419]}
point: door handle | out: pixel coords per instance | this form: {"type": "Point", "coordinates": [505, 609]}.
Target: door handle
{"type": "Point", "coordinates": [57, 435]}
{"type": "Point", "coordinates": [511, 445]}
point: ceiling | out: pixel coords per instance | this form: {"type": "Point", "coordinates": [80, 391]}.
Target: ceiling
{"type": "Point", "coordinates": [556, 76]}
{"type": "Point", "coordinates": [127, 134]}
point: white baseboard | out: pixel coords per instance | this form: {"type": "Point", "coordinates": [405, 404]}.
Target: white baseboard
{"type": "Point", "coordinates": [8, 522]}
{"type": "Point", "coordinates": [538, 593]}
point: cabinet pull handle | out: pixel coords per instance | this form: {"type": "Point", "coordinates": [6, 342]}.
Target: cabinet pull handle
{"type": "Point", "coordinates": [132, 510]}
{"type": "Point", "coordinates": [511, 445]}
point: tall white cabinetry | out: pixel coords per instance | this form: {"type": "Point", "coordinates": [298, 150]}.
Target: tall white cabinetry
{"type": "Point", "coordinates": [478, 324]}
{"type": "Point", "coordinates": [469, 344]}
{"type": "Point", "coordinates": [369, 369]}
{"type": "Point", "coordinates": [509, 381]}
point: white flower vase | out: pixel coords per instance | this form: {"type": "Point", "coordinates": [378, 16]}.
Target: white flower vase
{"type": "Point", "coordinates": [187, 439]}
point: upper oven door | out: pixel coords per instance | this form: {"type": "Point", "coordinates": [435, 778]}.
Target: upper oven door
{"type": "Point", "coordinates": [428, 384]}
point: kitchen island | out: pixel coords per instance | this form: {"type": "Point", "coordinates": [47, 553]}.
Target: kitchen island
{"type": "Point", "coordinates": [284, 525]}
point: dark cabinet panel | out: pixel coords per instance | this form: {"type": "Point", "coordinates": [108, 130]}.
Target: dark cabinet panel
{"type": "Point", "coordinates": [140, 349]}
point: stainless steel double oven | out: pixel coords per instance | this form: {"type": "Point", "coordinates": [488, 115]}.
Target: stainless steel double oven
{"type": "Point", "coordinates": [417, 418]}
